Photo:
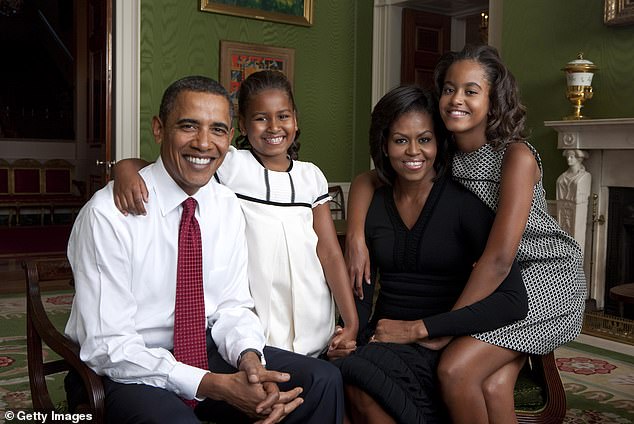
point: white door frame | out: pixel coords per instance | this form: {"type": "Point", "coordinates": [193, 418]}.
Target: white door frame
{"type": "Point", "coordinates": [127, 78]}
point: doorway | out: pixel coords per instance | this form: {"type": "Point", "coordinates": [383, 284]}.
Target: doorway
{"type": "Point", "coordinates": [55, 108]}
{"type": "Point", "coordinates": [387, 33]}
{"type": "Point", "coordinates": [426, 36]}
{"type": "Point", "coordinates": [55, 100]}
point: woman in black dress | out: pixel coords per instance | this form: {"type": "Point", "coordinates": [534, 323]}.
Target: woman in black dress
{"type": "Point", "coordinates": [424, 233]}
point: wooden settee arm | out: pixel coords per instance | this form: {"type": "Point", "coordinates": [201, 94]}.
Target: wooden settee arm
{"type": "Point", "coordinates": [40, 329]}
{"type": "Point", "coordinates": [547, 374]}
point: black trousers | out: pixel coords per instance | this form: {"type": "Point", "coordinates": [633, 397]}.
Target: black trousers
{"type": "Point", "coordinates": [140, 403]}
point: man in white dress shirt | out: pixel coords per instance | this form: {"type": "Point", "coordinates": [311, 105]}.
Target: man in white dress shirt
{"type": "Point", "coordinates": [125, 280]}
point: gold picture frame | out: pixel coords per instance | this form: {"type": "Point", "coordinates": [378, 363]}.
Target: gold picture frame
{"type": "Point", "coordinates": [298, 12]}
{"type": "Point", "coordinates": [239, 60]}
{"type": "Point", "coordinates": [618, 12]}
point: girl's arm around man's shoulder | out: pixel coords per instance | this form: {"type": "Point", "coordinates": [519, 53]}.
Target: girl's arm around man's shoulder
{"type": "Point", "coordinates": [130, 191]}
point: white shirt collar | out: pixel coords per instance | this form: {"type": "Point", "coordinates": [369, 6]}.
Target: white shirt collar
{"type": "Point", "coordinates": [168, 194]}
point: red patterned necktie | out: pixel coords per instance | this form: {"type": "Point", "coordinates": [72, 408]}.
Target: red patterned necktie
{"type": "Point", "coordinates": [189, 316]}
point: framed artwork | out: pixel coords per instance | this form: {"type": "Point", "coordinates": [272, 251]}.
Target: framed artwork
{"type": "Point", "coordinates": [297, 12]}
{"type": "Point", "coordinates": [239, 60]}
{"type": "Point", "coordinates": [618, 12]}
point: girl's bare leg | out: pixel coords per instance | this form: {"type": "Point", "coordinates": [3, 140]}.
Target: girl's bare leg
{"type": "Point", "coordinates": [361, 408]}
{"type": "Point", "coordinates": [499, 392]}
{"type": "Point", "coordinates": [464, 367]}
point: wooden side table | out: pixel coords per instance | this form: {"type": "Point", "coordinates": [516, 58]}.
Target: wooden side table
{"type": "Point", "coordinates": [623, 293]}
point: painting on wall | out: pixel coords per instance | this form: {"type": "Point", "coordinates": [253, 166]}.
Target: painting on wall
{"type": "Point", "coordinates": [297, 12]}
{"type": "Point", "coordinates": [239, 60]}
{"type": "Point", "coordinates": [618, 12]}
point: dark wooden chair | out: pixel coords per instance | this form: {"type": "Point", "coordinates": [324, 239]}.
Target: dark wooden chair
{"type": "Point", "coordinates": [40, 329]}
{"type": "Point", "coordinates": [338, 203]}
{"type": "Point", "coordinates": [539, 393]}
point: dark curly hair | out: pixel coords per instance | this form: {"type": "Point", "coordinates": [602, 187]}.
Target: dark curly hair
{"type": "Point", "coordinates": [393, 105]}
{"type": "Point", "coordinates": [254, 84]}
{"type": "Point", "coordinates": [506, 120]}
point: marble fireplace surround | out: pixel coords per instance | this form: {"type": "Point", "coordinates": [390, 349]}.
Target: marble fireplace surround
{"type": "Point", "coordinates": [610, 144]}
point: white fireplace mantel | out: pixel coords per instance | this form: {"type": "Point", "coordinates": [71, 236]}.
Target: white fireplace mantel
{"type": "Point", "coordinates": [610, 144]}
{"type": "Point", "coordinates": [588, 134]}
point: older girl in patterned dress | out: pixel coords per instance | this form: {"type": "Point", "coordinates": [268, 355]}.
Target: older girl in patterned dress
{"type": "Point", "coordinates": [480, 105]}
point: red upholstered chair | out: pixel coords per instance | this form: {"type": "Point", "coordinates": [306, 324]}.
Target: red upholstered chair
{"type": "Point", "coordinates": [24, 183]}
{"type": "Point", "coordinates": [4, 177]}
{"type": "Point", "coordinates": [7, 203]}
{"type": "Point", "coordinates": [58, 183]}
{"type": "Point", "coordinates": [58, 176]}
{"type": "Point", "coordinates": [26, 176]}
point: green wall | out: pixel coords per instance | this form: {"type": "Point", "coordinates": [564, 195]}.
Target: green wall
{"type": "Point", "coordinates": [332, 78]}
{"type": "Point", "coordinates": [538, 38]}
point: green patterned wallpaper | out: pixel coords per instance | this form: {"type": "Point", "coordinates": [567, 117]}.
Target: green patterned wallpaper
{"type": "Point", "coordinates": [538, 38]}
{"type": "Point", "coordinates": [332, 70]}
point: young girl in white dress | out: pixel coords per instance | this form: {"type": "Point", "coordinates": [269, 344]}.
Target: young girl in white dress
{"type": "Point", "coordinates": [295, 262]}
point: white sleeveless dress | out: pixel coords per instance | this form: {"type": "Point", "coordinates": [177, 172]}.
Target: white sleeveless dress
{"type": "Point", "coordinates": [550, 260]}
{"type": "Point", "coordinates": [286, 279]}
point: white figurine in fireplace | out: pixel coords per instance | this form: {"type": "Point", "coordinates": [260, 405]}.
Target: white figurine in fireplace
{"type": "Point", "coordinates": [573, 192]}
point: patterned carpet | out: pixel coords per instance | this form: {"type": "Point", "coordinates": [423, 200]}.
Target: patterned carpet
{"type": "Point", "coordinates": [599, 384]}
{"type": "Point", "coordinates": [14, 379]}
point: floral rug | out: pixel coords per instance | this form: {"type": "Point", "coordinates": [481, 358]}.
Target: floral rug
{"type": "Point", "coordinates": [15, 394]}
{"type": "Point", "coordinates": [599, 384]}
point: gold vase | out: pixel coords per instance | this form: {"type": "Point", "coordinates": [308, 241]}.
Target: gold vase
{"type": "Point", "coordinates": [579, 73]}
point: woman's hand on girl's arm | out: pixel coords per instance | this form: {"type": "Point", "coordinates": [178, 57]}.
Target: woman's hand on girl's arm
{"type": "Point", "coordinates": [130, 192]}
{"type": "Point", "coordinates": [520, 173]}
{"type": "Point", "coordinates": [357, 255]}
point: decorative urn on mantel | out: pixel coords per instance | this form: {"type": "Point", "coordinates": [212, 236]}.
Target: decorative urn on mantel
{"type": "Point", "coordinates": [579, 73]}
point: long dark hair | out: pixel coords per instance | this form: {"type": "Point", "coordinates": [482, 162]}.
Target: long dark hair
{"type": "Point", "coordinates": [254, 84]}
{"type": "Point", "coordinates": [506, 120]}
{"type": "Point", "coordinates": [393, 105]}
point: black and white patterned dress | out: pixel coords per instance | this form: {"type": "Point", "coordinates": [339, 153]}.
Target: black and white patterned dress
{"type": "Point", "coordinates": [550, 260]}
